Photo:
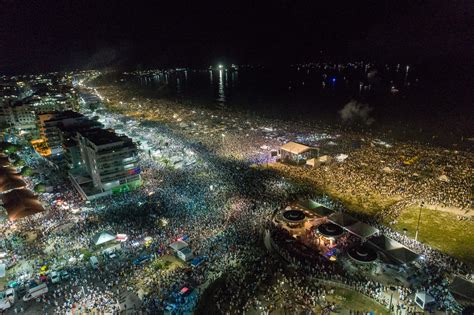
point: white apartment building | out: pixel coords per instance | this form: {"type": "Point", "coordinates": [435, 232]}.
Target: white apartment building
{"type": "Point", "coordinates": [109, 159]}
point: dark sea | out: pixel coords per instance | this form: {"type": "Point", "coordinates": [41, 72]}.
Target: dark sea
{"type": "Point", "coordinates": [412, 104]}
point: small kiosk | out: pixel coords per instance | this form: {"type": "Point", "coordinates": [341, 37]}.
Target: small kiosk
{"type": "Point", "coordinates": [423, 299]}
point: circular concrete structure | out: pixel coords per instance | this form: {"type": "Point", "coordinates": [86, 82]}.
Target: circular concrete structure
{"type": "Point", "coordinates": [294, 216]}
{"type": "Point", "coordinates": [330, 230]}
{"type": "Point", "coordinates": [363, 254]}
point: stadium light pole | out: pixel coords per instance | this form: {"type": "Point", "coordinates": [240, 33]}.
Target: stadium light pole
{"type": "Point", "coordinates": [392, 290]}
{"type": "Point", "coordinates": [419, 219]}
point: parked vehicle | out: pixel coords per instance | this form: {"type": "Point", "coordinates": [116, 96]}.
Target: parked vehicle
{"type": "Point", "coordinates": [64, 275]}
{"type": "Point", "coordinates": [4, 303]}
{"type": "Point", "coordinates": [55, 277]}
{"type": "Point", "coordinates": [110, 252]}
{"type": "Point", "coordinates": [94, 262]}
{"type": "Point", "coordinates": [198, 261]}
{"type": "Point", "coordinates": [11, 295]}
{"type": "Point", "coordinates": [36, 292]}
{"type": "Point", "coordinates": [141, 260]}
{"type": "Point", "coordinates": [7, 299]}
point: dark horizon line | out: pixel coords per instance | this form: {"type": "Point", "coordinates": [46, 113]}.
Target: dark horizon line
{"type": "Point", "coordinates": [444, 63]}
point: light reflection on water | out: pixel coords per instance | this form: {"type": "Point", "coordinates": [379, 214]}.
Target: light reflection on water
{"type": "Point", "coordinates": [224, 87]}
{"type": "Point", "coordinates": [221, 90]}
{"type": "Point", "coordinates": [182, 83]}
{"type": "Point", "coordinates": [318, 94]}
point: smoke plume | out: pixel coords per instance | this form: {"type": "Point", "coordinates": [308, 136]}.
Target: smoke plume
{"type": "Point", "coordinates": [354, 112]}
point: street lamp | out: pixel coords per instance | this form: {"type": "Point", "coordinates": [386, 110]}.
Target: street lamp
{"type": "Point", "coordinates": [419, 219]}
{"type": "Point", "coordinates": [392, 289]}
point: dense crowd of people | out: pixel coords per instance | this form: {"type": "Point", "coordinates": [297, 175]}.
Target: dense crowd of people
{"type": "Point", "coordinates": [222, 204]}
{"type": "Point", "coordinates": [411, 172]}
{"type": "Point", "coordinates": [220, 211]}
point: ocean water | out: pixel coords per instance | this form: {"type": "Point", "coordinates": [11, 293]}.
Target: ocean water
{"type": "Point", "coordinates": [401, 102]}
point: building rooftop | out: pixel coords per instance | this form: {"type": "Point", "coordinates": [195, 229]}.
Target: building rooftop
{"type": "Point", "coordinates": [63, 115]}
{"type": "Point", "coordinates": [295, 148]}
{"type": "Point", "coordinates": [81, 126]}
{"type": "Point", "coordinates": [103, 136]}
{"type": "Point", "coordinates": [463, 288]}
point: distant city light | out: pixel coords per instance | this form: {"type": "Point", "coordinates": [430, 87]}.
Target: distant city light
{"type": "Point", "coordinates": [221, 66]}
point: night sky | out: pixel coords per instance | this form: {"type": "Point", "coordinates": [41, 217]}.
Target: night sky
{"type": "Point", "coordinates": [60, 35]}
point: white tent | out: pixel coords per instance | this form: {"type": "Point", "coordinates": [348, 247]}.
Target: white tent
{"type": "Point", "coordinates": [324, 159]}
{"type": "Point", "coordinates": [185, 254]}
{"type": "Point", "coordinates": [178, 245]}
{"type": "Point", "coordinates": [3, 268]}
{"type": "Point", "coordinates": [341, 157]}
{"type": "Point", "coordinates": [423, 299]}
{"type": "Point", "coordinates": [103, 237]}
{"type": "Point", "coordinates": [295, 148]}
{"type": "Point", "coordinates": [311, 162]}
{"type": "Point", "coordinates": [121, 237]}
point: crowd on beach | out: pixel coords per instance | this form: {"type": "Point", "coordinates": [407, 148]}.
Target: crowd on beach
{"type": "Point", "coordinates": [407, 172]}
{"type": "Point", "coordinates": [223, 205]}
{"type": "Point", "coordinates": [220, 212]}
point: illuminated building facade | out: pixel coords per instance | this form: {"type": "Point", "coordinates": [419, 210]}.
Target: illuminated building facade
{"type": "Point", "coordinates": [21, 118]}
{"type": "Point", "coordinates": [109, 159]}
{"type": "Point", "coordinates": [51, 126]}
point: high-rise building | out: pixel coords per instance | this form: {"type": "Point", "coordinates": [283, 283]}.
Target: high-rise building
{"type": "Point", "coordinates": [50, 103]}
{"type": "Point", "coordinates": [20, 117]}
{"type": "Point", "coordinates": [52, 124]}
{"type": "Point", "coordinates": [111, 160]}
{"type": "Point", "coordinates": [70, 143]}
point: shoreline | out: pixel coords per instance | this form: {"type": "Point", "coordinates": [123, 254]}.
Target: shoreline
{"type": "Point", "coordinates": [180, 119]}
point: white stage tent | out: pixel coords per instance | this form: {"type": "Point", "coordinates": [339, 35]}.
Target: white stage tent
{"type": "Point", "coordinates": [103, 237]}
{"type": "Point", "coordinates": [178, 245]}
{"type": "Point", "coordinates": [423, 299]}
